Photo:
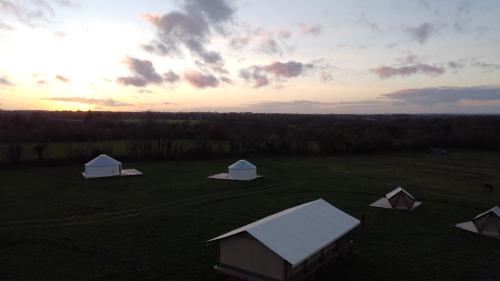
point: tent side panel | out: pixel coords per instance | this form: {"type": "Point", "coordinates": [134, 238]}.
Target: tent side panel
{"type": "Point", "coordinates": [401, 201]}
{"type": "Point", "coordinates": [480, 222]}
{"type": "Point", "coordinates": [108, 171]}
{"type": "Point", "coordinates": [243, 174]}
{"type": "Point", "coordinates": [251, 255]}
{"type": "Point", "coordinates": [409, 201]}
{"type": "Point", "coordinates": [491, 225]}
{"type": "Point", "coordinates": [394, 200]}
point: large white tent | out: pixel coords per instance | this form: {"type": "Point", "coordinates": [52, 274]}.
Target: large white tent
{"type": "Point", "coordinates": [289, 245]}
{"type": "Point", "coordinates": [242, 170]}
{"type": "Point", "coordinates": [105, 166]}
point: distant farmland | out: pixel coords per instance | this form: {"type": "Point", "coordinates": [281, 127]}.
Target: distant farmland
{"type": "Point", "coordinates": [54, 225]}
{"type": "Point", "coordinates": [128, 149]}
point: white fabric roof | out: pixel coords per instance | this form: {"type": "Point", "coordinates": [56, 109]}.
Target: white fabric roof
{"type": "Point", "coordinates": [398, 190]}
{"type": "Point", "coordinates": [495, 210]}
{"type": "Point", "coordinates": [297, 233]}
{"type": "Point", "coordinates": [242, 165]}
{"type": "Point", "coordinates": [103, 160]}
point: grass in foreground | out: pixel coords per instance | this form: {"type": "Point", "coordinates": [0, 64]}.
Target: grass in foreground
{"type": "Point", "coordinates": [54, 225]}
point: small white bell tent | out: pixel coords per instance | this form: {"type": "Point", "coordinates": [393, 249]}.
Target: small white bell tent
{"type": "Point", "coordinates": [242, 170]}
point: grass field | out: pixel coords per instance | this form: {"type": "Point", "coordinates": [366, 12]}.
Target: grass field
{"type": "Point", "coordinates": [117, 148]}
{"type": "Point", "coordinates": [54, 225]}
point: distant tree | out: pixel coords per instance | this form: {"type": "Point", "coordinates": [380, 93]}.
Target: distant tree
{"type": "Point", "coordinates": [14, 153]}
{"type": "Point", "coordinates": [40, 150]}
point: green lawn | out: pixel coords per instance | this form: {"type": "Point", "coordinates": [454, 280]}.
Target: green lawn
{"type": "Point", "coordinates": [54, 225]}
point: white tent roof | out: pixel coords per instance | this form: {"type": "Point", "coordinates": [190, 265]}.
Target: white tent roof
{"type": "Point", "coordinates": [398, 190]}
{"type": "Point", "coordinates": [103, 160]}
{"type": "Point", "coordinates": [242, 165]}
{"type": "Point", "coordinates": [297, 233]}
{"type": "Point", "coordinates": [495, 210]}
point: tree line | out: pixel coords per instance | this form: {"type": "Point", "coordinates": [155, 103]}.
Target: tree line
{"type": "Point", "coordinates": [154, 135]}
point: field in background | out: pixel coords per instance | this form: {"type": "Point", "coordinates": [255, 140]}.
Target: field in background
{"type": "Point", "coordinates": [130, 149]}
{"type": "Point", "coordinates": [54, 225]}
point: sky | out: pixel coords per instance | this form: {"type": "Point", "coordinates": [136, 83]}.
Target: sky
{"type": "Point", "coordinates": [283, 56]}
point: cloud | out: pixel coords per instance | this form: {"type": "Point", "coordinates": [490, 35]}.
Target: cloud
{"type": "Point", "coordinates": [32, 12]}
{"type": "Point", "coordinates": [326, 77]}
{"type": "Point", "coordinates": [310, 29]}
{"type": "Point", "coordinates": [486, 66]}
{"type": "Point", "coordinates": [422, 32]}
{"type": "Point", "coordinates": [456, 65]}
{"type": "Point", "coordinates": [200, 80]}
{"type": "Point", "coordinates": [4, 26]}
{"type": "Point", "coordinates": [300, 106]}
{"type": "Point", "coordinates": [385, 72]}
{"type": "Point", "coordinates": [473, 62]}
{"type": "Point", "coordinates": [363, 21]}
{"type": "Point", "coordinates": [191, 27]}
{"type": "Point", "coordinates": [60, 34]}
{"type": "Point", "coordinates": [4, 82]}
{"type": "Point", "coordinates": [263, 75]}
{"type": "Point", "coordinates": [270, 46]}
{"type": "Point", "coordinates": [269, 42]}
{"type": "Point", "coordinates": [67, 3]}
{"type": "Point", "coordinates": [171, 77]}
{"type": "Point", "coordinates": [100, 102]}
{"type": "Point", "coordinates": [144, 74]}
{"type": "Point", "coordinates": [239, 42]}
{"type": "Point", "coordinates": [433, 96]}
{"type": "Point", "coordinates": [255, 75]}
{"type": "Point", "coordinates": [226, 80]}
{"type": "Point", "coordinates": [288, 69]}
{"type": "Point", "coordinates": [62, 78]}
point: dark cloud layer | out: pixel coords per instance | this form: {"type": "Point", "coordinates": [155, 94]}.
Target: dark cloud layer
{"type": "Point", "coordinates": [473, 62]}
{"type": "Point", "coordinates": [264, 75]}
{"type": "Point", "coordinates": [422, 32]}
{"type": "Point", "coordinates": [300, 106]}
{"type": "Point", "coordinates": [432, 96]}
{"type": "Point", "coordinates": [385, 72]}
{"type": "Point", "coordinates": [144, 74]}
{"type": "Point", "coordinates": [191, 28]}
{"type": "Point", "coordinates": [200, 80]}
{"type": "Point", "coordinates": [100, 102]}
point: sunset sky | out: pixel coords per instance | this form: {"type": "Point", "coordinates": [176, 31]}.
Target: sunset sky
{"type": "Point", "coordinates": [316, 56]}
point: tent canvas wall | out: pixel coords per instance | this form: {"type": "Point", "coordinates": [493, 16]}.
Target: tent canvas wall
{"type": "Point", "coordinates": [400, 199]}
{"type": "Point", "coordinates": [488, 222]}
{"type": "Point", "coordinates": [242, 170]}
{"type": "Point", "coordinates": [289, 245]}
{"type": "Point", "coordinates": [103, 166]}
